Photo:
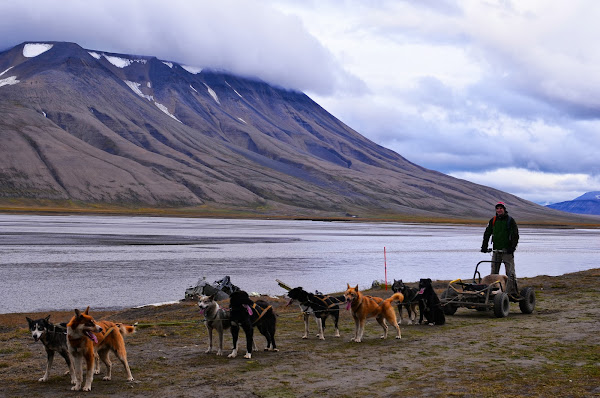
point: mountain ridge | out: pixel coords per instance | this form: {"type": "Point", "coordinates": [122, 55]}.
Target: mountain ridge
{"type": "Point", "coordinates": [588, 203]}
{"type": "Point", "coordinates": [101, 127]}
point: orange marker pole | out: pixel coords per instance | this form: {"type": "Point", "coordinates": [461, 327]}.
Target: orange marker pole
{"type": "Point", "coordinates": [385, 266]}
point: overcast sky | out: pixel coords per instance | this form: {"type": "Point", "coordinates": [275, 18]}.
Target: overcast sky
{"type": "Point", "coordinates": [501, 93]}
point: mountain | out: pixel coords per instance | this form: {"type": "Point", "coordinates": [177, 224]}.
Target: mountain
{"type": "Point", "coordinates": [96, 128]}
{"type": "Point", "coordinates": [588, 203]}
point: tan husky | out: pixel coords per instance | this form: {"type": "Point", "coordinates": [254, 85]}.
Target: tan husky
{"type": "Point", "coordinates": [364, 307]}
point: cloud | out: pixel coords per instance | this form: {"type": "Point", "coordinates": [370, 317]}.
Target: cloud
{"type": "Point", "coordinates": [478, 87]}
{"type": "Point", "coordinates": [546, 52]}
{"type": "Point", "coordinates": [248, 38]}
{"type": "Point", "coordinates": [544, 188]}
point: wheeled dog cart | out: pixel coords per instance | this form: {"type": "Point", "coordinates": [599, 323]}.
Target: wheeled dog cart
{"type": "Point", "coordinates": [484, 297]}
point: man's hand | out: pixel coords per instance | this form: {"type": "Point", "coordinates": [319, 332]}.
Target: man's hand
{"type": "Point", "coordinates": [484, 249]}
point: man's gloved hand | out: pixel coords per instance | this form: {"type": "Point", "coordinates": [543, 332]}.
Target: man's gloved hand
{"type": "Point", "coordinates": [484, 249]}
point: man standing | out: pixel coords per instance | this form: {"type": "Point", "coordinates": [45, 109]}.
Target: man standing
{"type": "Point", "coordinates": [505, 237]}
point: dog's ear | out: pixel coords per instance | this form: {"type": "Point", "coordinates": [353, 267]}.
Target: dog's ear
{"type": "Point", "coordinates": [29, 320]}
{"type": "Point", "coordinates": [212, 297]}
{"type": "Point", "coordinates": [77, 313]}
{"type": "Point", "coordinates": [47, 318]}
{"type": "Point", "coordinates": [356, 288]}
{"type": "Point", "coordinates": [347, 284]}
{"type": "Point", "coordinates": [87, 310]}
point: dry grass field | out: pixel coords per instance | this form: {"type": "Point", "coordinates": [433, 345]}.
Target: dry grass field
{"type": "Point", "coordinates": [553, 352]}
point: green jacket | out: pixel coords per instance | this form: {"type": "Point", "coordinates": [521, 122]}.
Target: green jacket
{"type": "Point", "coordinates": [504, 233]}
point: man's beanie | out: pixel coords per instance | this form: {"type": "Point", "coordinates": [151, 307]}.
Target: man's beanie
{"type": "Point", "coordinates": [501, 204]}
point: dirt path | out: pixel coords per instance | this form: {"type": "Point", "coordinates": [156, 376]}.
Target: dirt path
{"type": "Point", "coordinates": [553, 352]}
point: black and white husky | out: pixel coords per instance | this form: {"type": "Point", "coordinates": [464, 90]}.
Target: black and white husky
{"type": "Point", "coordinates": [246, 314]}
{"type": "Point", "coordinates": [319, 306]}
{"type": "Point", "coordinates": [216, 318]}
{"type": "Point", "coordinates": [54, 339]}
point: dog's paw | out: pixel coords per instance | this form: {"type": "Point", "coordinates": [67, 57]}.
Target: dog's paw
{"type": "Point", "coordinates": [398, 337]}
{"type": "Point", "coordinates": [76, 388]}
{"type": "Point", "coordinates": [130, 378]}
{"type": "Point", "coordinates": [219, 353]}
{"type": "Point", "coordinates": [106, 378]}
{"type": "Point", "coordinates": [275, 350]}
{"type": "Point", "coordinates": [305, 336]}
{"type": "Point", "coordinates": [208, 351]}
{"type": "Point", "coordinates": [233, 354]}
{"type": "Point", "coordinates": [248, 355]}
{"type": "Point", "coordinates": [87, 388]}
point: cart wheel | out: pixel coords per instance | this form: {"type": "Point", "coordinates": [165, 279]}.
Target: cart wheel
{"type": "Point", "coordinates": [527, 304]}
{"type": "Point", "coordinates": [449, 309]}
{"type": "Point", "coordinates": [501, 305]}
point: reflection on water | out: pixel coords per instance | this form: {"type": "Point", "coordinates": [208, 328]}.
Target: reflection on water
{"type": "Point", "coordinates": [66, 262]}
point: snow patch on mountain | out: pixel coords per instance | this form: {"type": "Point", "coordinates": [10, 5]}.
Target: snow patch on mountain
{"type": "Point", "coordinates": [212, 94]}
{"type": "Point", "coordinates": [169, 64]}
{"type": "Point", "coordinates": [122, 62]}
{"type": "Point", "coordinates": [135, 87]}
{"type": "Point", "coordinates": [192, 69]}
{"type": "Point", "coordinates": [31, 50]}
{"type": "Point", "coordinates": [9, 81]}
{"type": "Point", "coordinates": [95, 55]}
{"type": "Point", "coordinates": [234, 90]}
{"type": "Point", "coordinates": [6, 70]}
{"type": "Point", "coordinates": [166, 110]}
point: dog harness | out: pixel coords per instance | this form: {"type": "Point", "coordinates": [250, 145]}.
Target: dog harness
{"type": "Point", "coordinates": [62, 330]}
{"type": "Point", "coordinates": [264, 311]}
{"type": "Point", "coordinates": [324, 301]}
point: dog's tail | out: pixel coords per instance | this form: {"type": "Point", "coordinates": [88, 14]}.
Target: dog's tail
{"type": "Point", "coordinates": [127, 329]}
{"type": "Point", "coordinates": [395, 297]}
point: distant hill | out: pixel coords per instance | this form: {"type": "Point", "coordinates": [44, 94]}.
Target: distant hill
{"type": "Point", "coordinates": [588, 203]}
{"type": "Point", "coordinates": [96, 128]}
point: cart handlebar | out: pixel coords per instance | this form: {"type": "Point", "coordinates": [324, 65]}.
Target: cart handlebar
{"type": "Point", "coordinates": [477, 274]}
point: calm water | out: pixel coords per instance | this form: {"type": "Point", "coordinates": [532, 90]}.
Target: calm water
{"type": "Point", "coordinates": [66, 262]}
